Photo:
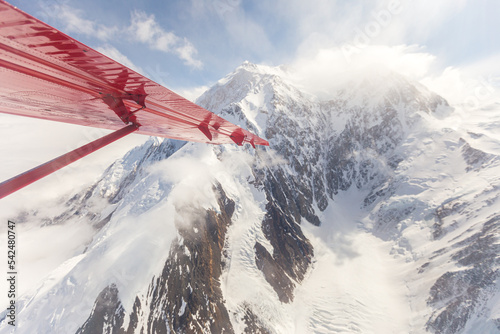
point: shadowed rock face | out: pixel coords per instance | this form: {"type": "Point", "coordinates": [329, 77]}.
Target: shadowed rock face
{"type": "Point", "coordinates": [291, 256]}
{"type": "Point", "coordinates": [188, 292]}
{"type": "Point", "coordinates": [107, 314]}
{"type": "Point", "coordinates": [274, 274]}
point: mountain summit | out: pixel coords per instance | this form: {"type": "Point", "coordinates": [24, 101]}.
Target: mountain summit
{"type": "Point", "coordinates": [370, 212]}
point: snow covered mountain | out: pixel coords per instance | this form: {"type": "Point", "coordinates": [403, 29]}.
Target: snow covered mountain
{"type": "Point", "coordinates": [372, 212]}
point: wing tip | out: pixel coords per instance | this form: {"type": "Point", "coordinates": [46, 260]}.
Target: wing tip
{"type": "Point", "coordinates": [258, 141]}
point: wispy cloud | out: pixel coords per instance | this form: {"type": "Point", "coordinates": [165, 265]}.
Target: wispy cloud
{"type": "Point", "coordinates": [143, 28]}
{"type": "Point", "coordinates": [73, 21]}
{"type": "Point", "coordinates": [327, 69]}
{"type": "Point", "coordinates": [146, 29]}
{"type": "Point", "coordinates": [474, 85]}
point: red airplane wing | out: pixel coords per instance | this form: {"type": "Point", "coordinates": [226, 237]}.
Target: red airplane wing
{"type": "Point", "coordinates": [47, 74]}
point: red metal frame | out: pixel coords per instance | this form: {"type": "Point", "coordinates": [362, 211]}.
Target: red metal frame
{"type": "Point", "coordinates": [26, 178]}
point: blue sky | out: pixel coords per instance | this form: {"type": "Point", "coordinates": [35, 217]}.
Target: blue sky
{"type": "Point", "coordinates": [190, 44]}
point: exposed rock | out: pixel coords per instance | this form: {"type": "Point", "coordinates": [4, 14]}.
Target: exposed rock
{"type": "Point", "coordinates": [443, 211]}
{"type": "Point", "coordinates": [457, 295]}
{"type": "Point", "coordinates": [187, 297]}
{"type": "Point", "coordinates": [274, 274]}
{"type": "Point", "coordinates": [292, 251]}
{"type": "Point", "coordinates": [106, 316]}
{"type": "Point", "coordinates": [253, 324]}
{"type": "Point", "coordinates": [474, 158]}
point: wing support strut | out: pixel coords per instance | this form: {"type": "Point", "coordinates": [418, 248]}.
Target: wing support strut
{"type": "Point", "coordinates": [32, 175]}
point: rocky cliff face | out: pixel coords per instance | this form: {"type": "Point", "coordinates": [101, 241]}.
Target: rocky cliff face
{"type": "Point", "coordinates": [261, 241]}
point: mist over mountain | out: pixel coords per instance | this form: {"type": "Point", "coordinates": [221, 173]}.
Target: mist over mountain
{"type": "Point", "coordinates": [372, 211]}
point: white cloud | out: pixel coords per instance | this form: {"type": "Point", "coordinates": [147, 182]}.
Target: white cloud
{"type": "Point", "coordinates": [73, 21]}
{"type": "Point", "coordinates": [326, 70]}
{"type": "Point", "coordinates": [192, 93]}
{"type": "Point", "coordinates": [474, 85]}
{"type": "Point", "coordinates": [143, 27]}
{"type": "Point", "coordinates": [116, 55]}
{"type": "Point", "coordinates": [146, 29]}
{"type": "Point", "coordinates": [187, 51]}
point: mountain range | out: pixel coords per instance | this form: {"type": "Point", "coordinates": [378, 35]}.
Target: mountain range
{"type": "Point", "coordinates": [376, 210]}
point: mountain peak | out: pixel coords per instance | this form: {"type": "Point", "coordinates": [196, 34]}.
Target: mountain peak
{"type": "Point", "coordinates": [261, 68]}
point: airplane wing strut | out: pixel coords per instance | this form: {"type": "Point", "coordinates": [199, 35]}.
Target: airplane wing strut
{"type": "Point", "coordinates": [22, 180]}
